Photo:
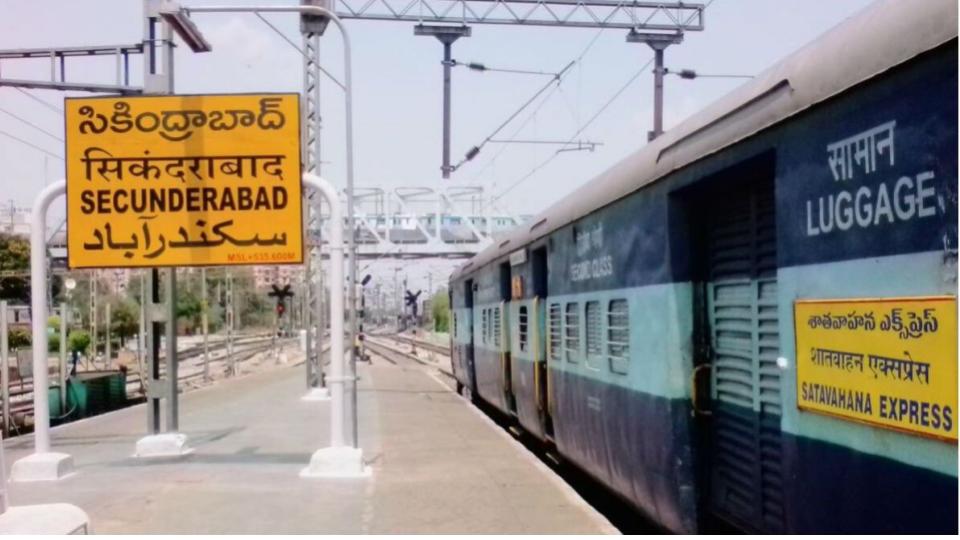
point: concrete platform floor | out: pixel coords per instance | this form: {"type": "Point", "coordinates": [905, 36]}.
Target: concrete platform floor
{"type": "Point", "coordinates": [439, 466]}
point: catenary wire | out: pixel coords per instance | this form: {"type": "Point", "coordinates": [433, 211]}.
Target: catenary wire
{"type": "Point", "coordinates": [50, 106]}
{"type": "Point", "coordinates": [31, 124]}
{"type": "Point", "coordinates": [578, 131]}
{"type": "Point", "coordinates": [301, 51]}
{"type": "Point", "coordinates": [553, 85]}
{"type": "Point", "coordinates": [584, 126]}
{"type": "Point", "coordinates": [30, 144]}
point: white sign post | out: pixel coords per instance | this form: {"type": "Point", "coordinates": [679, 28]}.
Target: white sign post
{"type": "Point", "coordinates": [42, 464]}
{"type": "Point", "coordinates": [338, 460]}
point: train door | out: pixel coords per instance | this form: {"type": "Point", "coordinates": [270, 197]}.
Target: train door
{"type": "Point", "coordinates": [541, 374]}
{"type": "Point", "coordinates": [741, 347]}
{"type": "Point", "coordinates": [468, 328]}
{"type": "Point", "coordinates": [502, 323]}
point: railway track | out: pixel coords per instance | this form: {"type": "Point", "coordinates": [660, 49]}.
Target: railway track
{"type": "Point", "coordinates": [194, 370]}
{"type": "Point", "coordinates": [25, 386]}
{"type": "Point", "coordinates": [380, 345]}
{"type": "Point", "coordinates": [190, 372]}
{"type": "Point", "coordinates": [441, 349]}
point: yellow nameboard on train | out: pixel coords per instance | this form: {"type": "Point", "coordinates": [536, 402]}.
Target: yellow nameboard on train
{"type": "Point", "coordinates": [890, 362]}
{"type": "Point", "coordinates": [183, 180]}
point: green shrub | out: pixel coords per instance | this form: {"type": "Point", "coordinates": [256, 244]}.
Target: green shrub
{"type": "Point", "coordinates": [79, 341]}
{"type": "Point", "coordinates": [18, 339]}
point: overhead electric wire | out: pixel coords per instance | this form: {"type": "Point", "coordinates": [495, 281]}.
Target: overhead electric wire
{"type": "Point", "coordinates": [31, 124]}
{"type": "Point", "coordinates": [558, 78]}
{"type": "Point", "coordinates": [522, 125]}
{"type": "Point", "coordinates": [574, 113]}
{"type": "Point", "coordinates": [301, 51]}
{"type": "Point", "coordinates": [30, 144]}
{"type": "Point", "coordinates": [584, 126]}
{"type": "Point", "coordinates": [578, 131]}
{"type": "Point", "coordinates": [52, 107]}
{"type": "Point", "coordinates": [476, 149]}
{"type": "Point", "coordinates": [477, 66]}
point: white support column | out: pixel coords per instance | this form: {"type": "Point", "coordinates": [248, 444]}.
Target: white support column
{"type": "Point", "coordinates": [42, 464]}
{"type": "Point", "coordinates": [205, 322]}
{"type": "Point", "coordinates": [338, 460]}
{"type": "Point", "coordinates": [5, 367]}
{"type": "Point", "coordinates": [62, 371]}
{"type": "Point", "coordinates": [58, 518]}
{"type": "Point", "coordinates": [108, 350]}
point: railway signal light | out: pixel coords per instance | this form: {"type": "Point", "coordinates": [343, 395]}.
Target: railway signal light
{"type": "Point", "coordinates": [280, 294]}
{"type": "Point", "coordinates": [412, 301]}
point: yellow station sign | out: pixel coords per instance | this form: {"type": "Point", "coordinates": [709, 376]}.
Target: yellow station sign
{"type": "Point", "coordinates": [183, 180]}
{"type": "Point", "coordinates": [890, 362]}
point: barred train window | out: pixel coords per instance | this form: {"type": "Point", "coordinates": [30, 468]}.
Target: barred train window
{"type": "Point", "coordinates": [555, 327]}
{"type": "Point", "coordinates": [496, 327]}
{"type": "Point", "coordinates": [486, 329]}
{"type": "Point", "coordinates": [489, 325]}
{"type": "Point", "coordinates": [483, 326]}
{"type": "Point", "coordinates": [594, 334]}
{"type": "Point", "coordinates": [618, 336]}
{"type": "Point", "coordinates": [523, 328]}
{"type": "Point", "coordinates": [572, 334]}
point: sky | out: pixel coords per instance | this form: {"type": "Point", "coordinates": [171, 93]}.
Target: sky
{"type": "Point", "coordinates": [398, 89]}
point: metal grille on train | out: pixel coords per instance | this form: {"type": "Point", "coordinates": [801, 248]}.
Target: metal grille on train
{"type": "Point", "coordinates": [741, 290]}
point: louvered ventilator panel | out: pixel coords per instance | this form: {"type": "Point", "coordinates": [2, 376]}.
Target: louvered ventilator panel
{"type": "Point", "coordinates": [746, 486]}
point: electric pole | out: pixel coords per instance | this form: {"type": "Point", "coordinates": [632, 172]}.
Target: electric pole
{"type": "Point", "coordinates": [659, 43]}
{"type": "Point", "coordinates": [446, 35]}
{"type": "Point", "coordinates": [204, 309]}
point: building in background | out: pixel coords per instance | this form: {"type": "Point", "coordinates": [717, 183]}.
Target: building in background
{"type": "Point", "coordinates": [287, 274]}
{"type": "Point", "coordinates": [14, 219]}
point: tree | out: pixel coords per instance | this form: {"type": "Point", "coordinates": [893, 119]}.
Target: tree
{"type": "Point", "coordinates": [80, 297]}
{"type": "Point", "coordinates": [79, 341]}
{"type": "Point", "coordinates": [440, 306]}
{"type": "Point", "coordinates": [14, 257]}
{"type": "Point", "coordinates": [188, 307]}
{"type": "Point", "coordinates": [53, 333]}
{"type": "Point", "coordinates": [254, 308]}
{"type": "Point", "coordinates": [18, 339]}
{"type": "Point", "coordinates": [133, 286]}
{"type": "Point", "coordinates": [124, 319]}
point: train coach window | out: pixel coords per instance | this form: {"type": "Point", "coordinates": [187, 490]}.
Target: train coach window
{"type": "Point", "coordinates": [491, 325]}
{"type": "Point", "coordinates": [486, 328]}
{"type": "Point", "coordinates": [455, 324]}
{"type": "Point", "coordinates": [572, 331]}
{"type": "Point", "coordinates": [523, 328]}
{"type": "Point", "coordinates": [483, 326]}
{"type": "Point", "coordinates": [594, 335]}
{"type": "Point", "coordinates": [618, 336]}
{"type": "Point", "coordinates": [555, 327]}
{"type": "Point", "coordinates": [496, 327]}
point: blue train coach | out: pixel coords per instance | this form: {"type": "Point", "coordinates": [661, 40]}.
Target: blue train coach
{"type": "Point", "coordinates": [751, 322]}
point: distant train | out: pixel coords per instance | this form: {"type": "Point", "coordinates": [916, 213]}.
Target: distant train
{"type": "Point", "coordinates": [751, 321]}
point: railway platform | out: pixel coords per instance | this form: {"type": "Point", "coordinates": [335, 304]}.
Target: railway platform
{"type": "Point", "coordinates": [438, 465]}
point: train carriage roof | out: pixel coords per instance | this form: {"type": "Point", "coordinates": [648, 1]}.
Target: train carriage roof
{"type": "Point", "coordinates": [883, 35]}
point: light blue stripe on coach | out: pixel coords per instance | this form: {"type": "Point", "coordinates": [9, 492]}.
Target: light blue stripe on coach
{"type": "Point", "coordinates": [661, 338]}
{"type": "Point", "coordinates": [917, 274]}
